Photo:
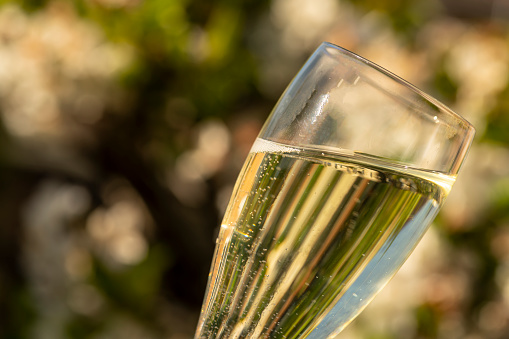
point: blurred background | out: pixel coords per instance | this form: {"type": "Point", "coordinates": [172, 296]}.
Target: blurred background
{"type": "Point", "coordinates": [124, 123]}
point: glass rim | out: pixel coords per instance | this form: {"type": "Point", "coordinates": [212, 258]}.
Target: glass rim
{"type": "Point", "coordinates": [468, 126]}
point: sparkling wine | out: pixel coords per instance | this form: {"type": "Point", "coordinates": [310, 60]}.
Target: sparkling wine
{"type": "Point", "coordinates": [308, 239]}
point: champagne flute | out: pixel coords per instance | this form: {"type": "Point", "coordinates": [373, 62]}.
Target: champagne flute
{"type": "Point", "coordinates": [345, 177]}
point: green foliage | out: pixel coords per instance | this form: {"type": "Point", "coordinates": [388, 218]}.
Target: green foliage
{"type": "Point", "coordinates": [500, 196]}
{"type": "Point", "coordinates": [406, 16]}
{"type": "Point", "coordinates": [31, 5]}
{"type": "Point", "coordinates": [203, 55]}
{"type": "Point", "coordinates": [427, 321]}
{"type": "Point", "coordinates": [21, 314]}
{"type": "Point", "coordinates": [498, 121]}
{"type": "Point", "coordinates": [134, 288]}
{"type": "Point", "coordinates": [82, 327]}
{"type": "Point", "coordinates": [445, 87]}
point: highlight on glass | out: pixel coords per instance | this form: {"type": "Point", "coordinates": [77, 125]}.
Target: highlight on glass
{"type": "Point", "coordinates": [347, 174]}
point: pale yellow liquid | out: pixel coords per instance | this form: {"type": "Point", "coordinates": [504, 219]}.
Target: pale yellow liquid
{"type": "Point", "coordinates": [309, 238]}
